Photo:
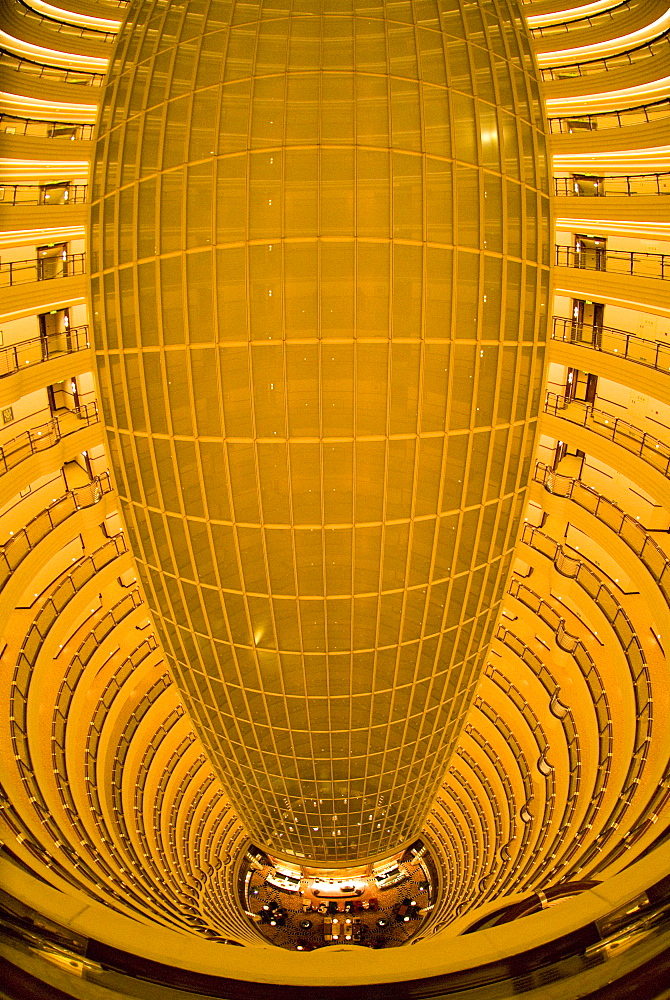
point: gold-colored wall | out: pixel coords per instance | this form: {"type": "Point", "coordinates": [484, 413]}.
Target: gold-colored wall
{"type": "Point", "coordinates": [320, 278]}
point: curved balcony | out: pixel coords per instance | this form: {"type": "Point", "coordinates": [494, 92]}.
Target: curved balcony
{"type": "Point", "coordinates": [49, 613]}
{"type": "Point", "coordinates": [618, 185]}
{"type": "Point", "coordinates": [16, 357]}
{"type": "Point", "coordinates": [601, 595]}
{"type": "Point", "coordinates": [21, 544]}
{"type": "Point", "coordinates": [650, 449]}
{"type": "Point", "coordinates": [587, 67]}
{"type": "Point", "coordinates": [639, 675]}
{"type": "Point", "coordinates": [43, 129]}
{"type": "Point", "coordinates": [562, 713]}
{"type": "Point", "coordinates": [574, 646]}
{"type": "Point", "coordinates": [19, 272]}
{"type": "Point", "coordinates": [575, 943]}
{"type": "Point", "coordinates": [53, 74]}
{"type": "Point", "coordinates": [599, 120]}
{"type": "Point", "coordinates": [45, 436]}
{"type": "Point", "coordinates": [57, 25]}
{"type": "Point", "coordinates": [606, 339]}
{"type": "Point", "coordinates": [590, 21]}
{"type": "Point", "coordinates": [54, 193]}
{"type": "Point", "coordinates": [626, 527]}
{"type": "Point", "coordinates": [630, 262]}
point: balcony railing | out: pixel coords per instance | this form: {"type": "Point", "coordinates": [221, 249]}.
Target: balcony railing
{"type": "Point", "coordinates": [43, 194]}
{"type": "Point", "coordinates": [633, 262]}
{"type": "Point", "coordinates": [617, 185]}
{"type": "Point", "coordinates": [32, 352]}
{"type": "Point", "coordinates": [588, 66]}
{"type": "Point", "coordinates": [45, 436]}
{"type": "Point", "coordinates": [650, 353]}
{"type": "Point", "coordinates": [639, 115]}
{"type": "Point", "coordinates": [64, 27]}
{"type": "Point", "coordinates": [58, 74]}
{"type": "Point", "coordinates": [13, 125]}
{"type": "Point", "coordinates": [626, 527]}
{"type": "Point", "coordinates": [575, 569]}
{"type": "Point", "coordinates": [582, 22]}
{"type": "Point", "coordinates": [13, 552]}
{"type": "Point", "coordinates": [636, 441]}
{"type": "Point", "coordinates": [18, 272]}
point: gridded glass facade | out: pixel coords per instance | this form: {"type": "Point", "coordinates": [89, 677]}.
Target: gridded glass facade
{"type": "Point", "coordinates": [320, 277]}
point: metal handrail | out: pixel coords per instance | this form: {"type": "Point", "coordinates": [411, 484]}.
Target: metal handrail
{"type": "Point", "coordinates": [633, 262]}
{"type": "Point", "coordinates": [583, 22]}
{"type": "Point", "coordinates": [640, 114]}
{"type": "Point", "coordinates": [615, 184]}
{"type": "Point", "coordinates": [59, 74]}
{"type": "Point", "coordinates": [650, 449]}
{"type": "Point", "coordinates": [40, 194]}
{"type": "Point", "coordinates": [650, 353]}
{"type": "Point", "coordinates": [624, 525]}
{"type": "Point", "coordinates": [601, 595]}
{"type": "Point", "coordinates": [14, 125]}
{"type": "Point", "coordinates": [29, 352]}
{"type": "Point", "coordinates": [55, 24]}
{"type": "Point", "coordinates": [569, 71]}
{"type": "Point", "coordinates": [44, 436]}
{"type": "Point", "coordinates": [15, 550]}
{"type": "Point", "coordinates": [18, 272]}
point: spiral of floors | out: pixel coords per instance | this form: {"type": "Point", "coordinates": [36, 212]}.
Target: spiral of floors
{"type": "Point", "coordinates": [562, 773]}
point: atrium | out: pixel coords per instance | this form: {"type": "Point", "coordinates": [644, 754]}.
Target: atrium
{"type": "Point", "coordinates": [334, 498]}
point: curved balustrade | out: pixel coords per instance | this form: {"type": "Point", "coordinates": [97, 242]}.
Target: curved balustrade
{"type": "Point", "coordinates": [19, 272]}
{"type": "Point", "coordinates": [590, 21]}
{"type": "Point", "coordinates": [626, 527]}
{"type": "Point", "coordinates": [62, 713]}
{"type": "Point", "coordinates": [571, 644]}
{"type": "Point", "coordinates": [15, 357]}
{"type": "Point", "coordinates": [631, 647]}
{"type": "Point", "coordinates": [56, 193]}
{"type": "Point", "coordinates": [63, 27]}
{"type": "Point", "coordinates": [608, 340]}
{"type": "Point", "coordinates": [45, 436]}
{"type": "Point", "coordinates": [57, 74]}
{"type": "Point", "coordinates": [13, 552]}
{"type": "Point", "coordinates": [638, 115]}
{"type": "Point", "coordinates": [80, 574]}
{"type": "Point", "coordinates": [600, 594]}
{"type": "Point", "coordinates": [583, 660]}
{"type": "Point", "coordinates": [13, 125]}
{"type": "Point", "coordinates": [585, 186]}
{"type": "Point", "coordinates": [638, 918]}
{"type": "Point", "coordinates": [569, 71]}
{"type": "Point", "coordinates": [613, 611]}
{"type": "Point", "coordinates": [631, 262]}
{"type": "Point", "coordinates": [566, 719]}
{"type": "Point", "coordinates": [638, 442]}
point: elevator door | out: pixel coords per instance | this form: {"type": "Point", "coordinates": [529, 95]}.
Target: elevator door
{"type": "Point", "coordinates": [54, 332]}
{"type": "Point", "coordinates": [63, 396]}
{"type": "Point", "coordinates": [581, 386]}
{"type": "Point", "coordinates": [587, 321]}
{"type": "Point", "coordinates": [52, 261]}
{"type": "Point", "coordinates": [587, 186]}
{"type": "Point", "coordinates": [590, 252]}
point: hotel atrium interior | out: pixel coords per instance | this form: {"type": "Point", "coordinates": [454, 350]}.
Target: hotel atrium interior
{"type": "Point", "coordinates": [334, 499]}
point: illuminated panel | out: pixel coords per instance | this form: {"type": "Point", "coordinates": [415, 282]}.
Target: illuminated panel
{"type": "Point", "coordinates": [320, 277]}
